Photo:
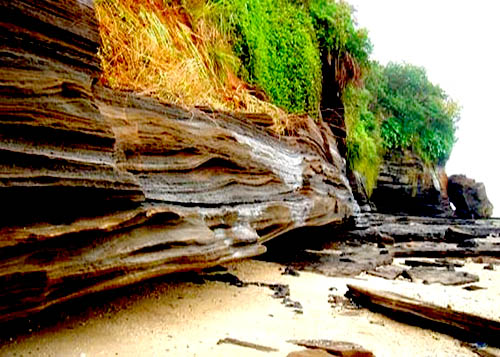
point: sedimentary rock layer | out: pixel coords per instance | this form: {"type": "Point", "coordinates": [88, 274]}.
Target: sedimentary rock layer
{"type": "Point", "coordinates": [103, 188]}
{"type": "Point", "coordinates": [389, 229]}
{"type": "Point", "coordinates": [406, 185]}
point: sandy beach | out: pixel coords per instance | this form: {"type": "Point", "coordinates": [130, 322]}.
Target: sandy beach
{"type": "Point", "coordinates": [181, 316]}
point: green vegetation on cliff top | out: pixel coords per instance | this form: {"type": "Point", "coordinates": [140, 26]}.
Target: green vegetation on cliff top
{"type": "Point", "coordinates": [270, 56]}
{"type": "Point", "coordinates": [415, 114]}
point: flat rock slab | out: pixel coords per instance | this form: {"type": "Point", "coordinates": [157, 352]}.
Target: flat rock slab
{"type": "Point", "coordinates": [456, 234]}
{"type": "Point", "coordinates": [389, 272]}
{"type": "Point", "coordinates": [450, 262]}
{"type": "Point", "coordinates": [475, 248]}
{"type": "Point", "coordinates": [337, 348]}
{"type": "Point", "coordinates": [373, 226]}
{"type": "Point", "coordinates": [438, 263]}
{"type": "Point", "coordinates": [439, 276]}
{"type": "Point", "coordinates": [343, 260]}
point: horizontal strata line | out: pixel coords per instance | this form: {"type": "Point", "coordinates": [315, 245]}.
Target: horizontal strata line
{"type": "Point", "coordinates": [219, 205]}
{"type": "Point", "coordinates": [104, 158]}
{"type": "Point", "coordinates": [55, 181]}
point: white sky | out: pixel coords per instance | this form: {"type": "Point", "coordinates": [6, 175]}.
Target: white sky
{"type": "Point", "coordinates": [458, 42]}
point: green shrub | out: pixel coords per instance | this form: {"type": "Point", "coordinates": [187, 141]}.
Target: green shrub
{"type": "Point", "coordinates": [418, 115]}
{"type": "Point", "coordinates": [276, 43]}
{"type": "Point", "coordinates": [364, 150]}
{"type": "Point", "coordinates": [336, 30]}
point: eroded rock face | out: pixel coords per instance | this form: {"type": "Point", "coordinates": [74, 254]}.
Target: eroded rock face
{"type": "Point", "coordinates": [407, 186]}
{"type": "Point", "coordinates": [469, 197]}
{"type": "Point", "coordinates": [102, 189]}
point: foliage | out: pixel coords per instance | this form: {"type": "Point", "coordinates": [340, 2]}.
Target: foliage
{"type": "Point", "coordinates": [281, 45]}
{"type": "Point", "coordinates": [236, 55]}
{"type": "Point", "coordinates": [340, 40]}
{"type": "Point", "coordinates": [174, 51]}
{"type": "Point", "coordinates": [241, 55]}
{"type": "Point", "coordinates": [364, 149]}
{"type": "Point", "coordinates": [276, 43]}
{"type": "Point", "coordinates": [397, 109]}
{"type": "Point", "coordinates": [417, 114]}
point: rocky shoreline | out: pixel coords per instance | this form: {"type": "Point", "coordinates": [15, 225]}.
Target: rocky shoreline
{"type": "Point", "coordinates": [104, 189]}
{"type": "Point", "coordinates": [233, 311]}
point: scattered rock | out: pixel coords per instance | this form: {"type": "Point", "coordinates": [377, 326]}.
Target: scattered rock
{"type": "Point", "coordinates": [280, 291]}
{"type": "Point", "coordinates": [339, 302]}
{"type": "Point", "coordinates": [293, 304]}
{"type": "Point", "coordinates": [489, 267]}
{"type": "Point", "coordinates": [386, 239]}
{"type": "Point", "coordinates": [368, 227]}
{"type": "Point", "coordinates": [337, 348]}
{"type": "Point", "coordinates": [380, 323]}
{"type": "Point", "coordinates": [290, 271]}
{"type": "Point", "coordinates": [336, 299]}
{"type": "Point", "coordinates": [359, 247]}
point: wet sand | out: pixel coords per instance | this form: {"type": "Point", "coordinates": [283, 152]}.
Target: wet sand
{"type": "Point", "coordinates": [179, 316]}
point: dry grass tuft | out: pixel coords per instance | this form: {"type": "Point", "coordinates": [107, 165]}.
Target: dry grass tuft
{"type": "Point", "coordinates": [347, 70]}
{"type": "Point", "coordinates": [172, 50]}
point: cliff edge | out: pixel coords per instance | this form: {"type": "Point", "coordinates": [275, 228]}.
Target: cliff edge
{"type": "Point", "coordinates": [104, 188]}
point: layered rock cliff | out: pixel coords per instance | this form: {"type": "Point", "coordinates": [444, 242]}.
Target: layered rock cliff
{"type": "Point", "coordinates": [406, 185]}
{"type": "Point", "coordinates": [102, 189]}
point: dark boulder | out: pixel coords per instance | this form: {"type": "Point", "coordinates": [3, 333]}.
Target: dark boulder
{"type": "Point", "coordinates": [469, 197]}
